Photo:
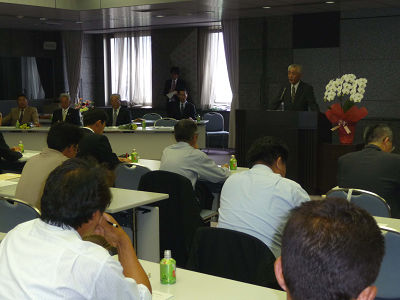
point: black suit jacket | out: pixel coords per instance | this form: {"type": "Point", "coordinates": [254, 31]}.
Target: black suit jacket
{"type": "Point", "coordinates": [304, 98]}
{"type": "Point", "coordinates": [124, 116]}
{"type": "Point", "coordinates": [373, 170]}
{"type": "Point", "coordinates": [6, 152]}
{"type": "Point", "coordinates": [188, 112]}
{"type": "Point", "coordinates": [97, 146]}
{"type": "Point", "coordinates": [180, 86]}
{"type": "Point", "coordinates": [72, 117]}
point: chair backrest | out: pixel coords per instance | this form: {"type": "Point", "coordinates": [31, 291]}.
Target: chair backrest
{"type": "Point", "coordinates": [179, 214]}
{"type": "Point", "coordinates": [167, 122]}
{"type": "Point", "coordinates": [215, 121]}
{"type": "Point", "coordinates": [371, 202]}
{"type": "Point", "coordinates": [388, 278]}
{"type": "Point", "coordinates": [152, 116]}
{"type": "Point", "coordinates": [233, 255]}
{"type": "Point", "coordinates": [14, 212]}
{"type": "Point", "coordinates": [129, 177]}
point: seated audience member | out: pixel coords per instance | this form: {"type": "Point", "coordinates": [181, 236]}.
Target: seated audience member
{"type": "Point", "coordinates": [94, 143]}
{"type": "Point", "coordinates": [119, 115]}
{"type": "Point", "coordinates": [331, 249]}
{"type": "Point", "coordinates": [7, 153]}
{"type": "Point", "coordinates": [46, 258]}
{"type": "Point", "coordinates": [258, 201]}
{"type": "Point", "coordinates": [374, 168]}
{"type": "Point", "coordinates": [66, 113]}
{"type": "Point", "coordinates": [62, 143]}
{"type": "Point", "coordinates": [23, 113]}
{"type": "Point", "coordinates": [182, 109]}
{"type": "Point", "coordinates": [186, 159]}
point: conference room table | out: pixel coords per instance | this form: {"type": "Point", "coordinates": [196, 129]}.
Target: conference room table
{"type": "Point", "coordinates": [149, 142]}
{"type": "Point", "coordinates": [145, 226]}
{"type": "Point", "coordinates": [199, 286]}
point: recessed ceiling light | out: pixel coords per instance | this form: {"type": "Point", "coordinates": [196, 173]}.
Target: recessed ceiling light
{"type": "Point", "coordinates": [79, 22]}
{"type": "Point", "coordinates": [20, 17]}
{"type": "Point", "coordinates": [330, 2]}
{"type": "Point", "coordinates": [160, 16]}
{"type": "Point", "coordinates": [42, 19]}
{"type": "Point", "coordinates": [266, 6]}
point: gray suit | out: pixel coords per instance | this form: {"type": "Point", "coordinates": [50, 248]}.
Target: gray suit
{"type": "Point", "coordinates": [373, 170]}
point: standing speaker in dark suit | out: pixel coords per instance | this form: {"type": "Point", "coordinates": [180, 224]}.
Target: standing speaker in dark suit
{"type": "Point", "coordinates": [173, 85]}
{"type": "Point", "coordinates": [182, 109]}
{"type": "Point", "coordinates": [296, 95]}
{"type": "Point", "coordinates": [66, 113]}
{"type": "Point", "coordinates": [374, 168]}
{"type": "Point", "coordinates": [118, 115]}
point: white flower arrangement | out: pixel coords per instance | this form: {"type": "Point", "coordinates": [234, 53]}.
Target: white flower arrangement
{"type": "Point", "coordinates": [348, 84]}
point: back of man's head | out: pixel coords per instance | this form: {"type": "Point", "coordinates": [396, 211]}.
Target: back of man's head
{"type": "Point", "coordinates": [73, 192]}
{"type": "Point", "coordinates": [93, 115]}
{"type": "Point", "coordinates": [267, 150]}
{"type": "Point", "coordinates": [331, 249]}
{"type": "Point", "coordinates": [63, 135]}
{"type": "Point", "coordinates": [185, 130]}
{"type": "Point", "coordinates": [376, 133]}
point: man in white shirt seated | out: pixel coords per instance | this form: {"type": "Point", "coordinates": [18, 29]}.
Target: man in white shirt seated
{"type": "Point", "coordinates": [258, 201]}
{"type": "Point", "coordinates": [46, 258]}
{"type": "Point", "coordinates": [186, 159]}
{"type": "Point", "coordinates": [62, 143]}
{"type": "Point", "coordinates": [331, 249]}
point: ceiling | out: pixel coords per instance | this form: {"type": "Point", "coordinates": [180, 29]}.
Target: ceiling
{"type": "Point", "coordinates": [176, 13]}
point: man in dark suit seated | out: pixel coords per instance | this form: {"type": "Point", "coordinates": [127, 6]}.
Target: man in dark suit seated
{"type": "Point", "coordinates": [182, 109]}
{"type": "Point", "coordinates": [94, 143]}
{"type": "Point", "coordinates": [66, 113]}
{"type": "Point", "coordinates": [295, 95]}
{"type": "Point", "coordinates": [119, 115]}
{"type": "Point", "coordinates": [374, 168]}
{"type": "Point", "coordinates": [7, 153]}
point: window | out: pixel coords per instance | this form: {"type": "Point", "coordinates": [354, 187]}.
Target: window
{"type": "Point", "coordinates": [216, 89]}
{"type": "Point", "coordinates": [131, 67]}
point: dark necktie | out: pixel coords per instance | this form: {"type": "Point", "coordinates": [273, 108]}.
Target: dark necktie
{"type": "Point", "coordinates": [182, 108]}
{"type": "Point", "coordinates": [293, 93]}
{"type": "Point", "coordinates": [114, 123]}
{"type": "Point", "coordinates": [21, 116]}
{"type": "Point", "coordinates": [173, 85]}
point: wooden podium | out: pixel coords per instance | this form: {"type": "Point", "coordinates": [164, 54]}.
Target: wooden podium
{"type": "Point", "coordinates": [303, 132]}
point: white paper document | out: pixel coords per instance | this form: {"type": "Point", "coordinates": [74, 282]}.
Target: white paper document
{"type": "Point", "coordinates": [157, 295]}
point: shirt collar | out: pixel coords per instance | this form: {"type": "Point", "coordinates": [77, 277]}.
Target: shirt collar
{"type": "Point", "coordinates": [296, 85]}
{"type": "Point", "coordinates": [263, 168]}
{"type": "Point", "coordinates": [372, 146]}
{"type": "Point", "coordinates": [88, 128]}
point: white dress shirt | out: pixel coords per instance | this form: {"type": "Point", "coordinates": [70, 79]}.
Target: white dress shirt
{"type": "Point", "coordinates": [64, 112]}
{"type": "Point", "coordinates": [42, 261]}
{"type": "Point", "coordinates": [192, 163]}
{"type": "Point", "coordinates": [257, 202]}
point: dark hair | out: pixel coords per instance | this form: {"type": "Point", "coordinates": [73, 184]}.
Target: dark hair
{"type": "Point", "coordinates": [174, 70]}
{"type": "Point", "coordinates": [267, 149]}
{"type": "Point", "coordinates": [376, 133]}
{"type": "Point", "coordinates": [22, 95]}
{"type": "Point", "coordinates": [93, 115]}
{"type": "Point", "coordinates": [185, 130]}
{"type": "Point", "coordinates": [331, 249]}
{"type": "Point", "coordinates": [62, 135]}
{"type": "Point", "coordinates": [73, 192]}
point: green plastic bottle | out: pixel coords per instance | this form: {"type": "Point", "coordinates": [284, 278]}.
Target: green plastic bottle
{"type": "Point", "coordinates": [233, 163]}
{"type": "Point", "coordinates": [144, 124]}
{"type": "Point", "coordinates": [167, 269]}
{"type": "Point", "coordinates": [134, 156]}
{"type": "Point", "coordinates": [21, 146]}
{"type": "Point", "coordinates": [17, 124]}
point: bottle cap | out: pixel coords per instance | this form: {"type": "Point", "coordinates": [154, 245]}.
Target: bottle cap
{"type": "Point", "coordinates": [167, 254]}
{"type": "Point", "coordinates": [232, 156]}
